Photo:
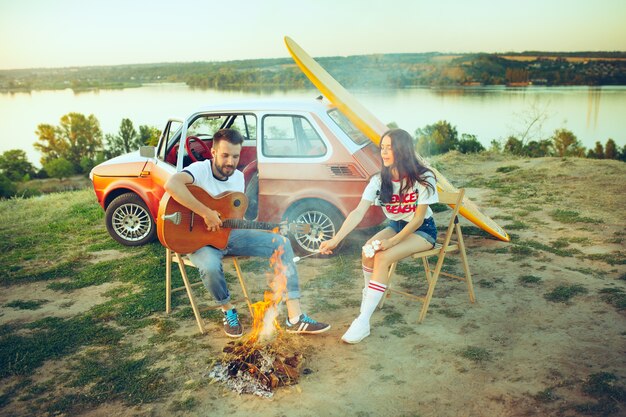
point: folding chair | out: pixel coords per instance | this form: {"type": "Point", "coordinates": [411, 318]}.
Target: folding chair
{"type": "Point", "coordinates": [440, 250]}
{"type": "Point", "coordinates": [182, 261]}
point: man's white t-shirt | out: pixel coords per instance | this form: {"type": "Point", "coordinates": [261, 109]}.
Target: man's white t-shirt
{"type": "Point", "coordinates": [203, 177]}
{"type": "Point", "coordinates": [402, 207]}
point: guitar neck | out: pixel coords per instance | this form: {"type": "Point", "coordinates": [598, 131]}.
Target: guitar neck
{"type": "Point", "coordinates": [248, 224]}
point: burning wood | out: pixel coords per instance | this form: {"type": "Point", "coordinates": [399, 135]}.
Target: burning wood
{"type": "Point", "coordinates": [253, 368]}
{"type": "Point", "coordinates": [249, 368]}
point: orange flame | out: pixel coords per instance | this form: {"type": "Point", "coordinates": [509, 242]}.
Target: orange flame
{"type": "Point", "coordinates": [264, 313]}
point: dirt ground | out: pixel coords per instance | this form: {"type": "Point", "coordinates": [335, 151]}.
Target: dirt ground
{"type": "Point", "coordinates": [512, 353]}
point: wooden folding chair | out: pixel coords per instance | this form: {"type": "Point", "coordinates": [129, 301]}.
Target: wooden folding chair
{"type": "Point", "coordinates": [444, 246]}
{"type": "Point", "coordinates": [183, 261]}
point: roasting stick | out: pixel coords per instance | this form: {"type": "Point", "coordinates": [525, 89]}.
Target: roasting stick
{"type": "Point", "coordinates": [297, 258]}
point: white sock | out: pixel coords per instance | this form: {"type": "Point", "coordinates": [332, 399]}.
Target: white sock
{"type": "Point", "coordinates": [367, 275]}
{"type": "Point", "coordinates": [373, 295]}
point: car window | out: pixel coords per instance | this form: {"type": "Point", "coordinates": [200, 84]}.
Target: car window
{"type": "Point", "coordinates": [291, 136]}
{"type": "Point", "coordinates": [348, 128]}
{"type": "Point", "coordinates": [205, 126]}
{"type": "Point", "coordinates": [172, 131]}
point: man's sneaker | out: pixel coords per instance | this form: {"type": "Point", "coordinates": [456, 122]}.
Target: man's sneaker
{"type": "Point", "coordinates": [359, 330]}
{"type": "Point", "coordinates": [232, 327]}
{"type": "Point", "coordinates": [306, 325]}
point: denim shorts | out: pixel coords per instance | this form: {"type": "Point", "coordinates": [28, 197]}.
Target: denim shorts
{"type": "Point", "coordinates": [427, 230]}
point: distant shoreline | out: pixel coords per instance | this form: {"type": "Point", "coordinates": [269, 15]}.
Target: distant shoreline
{"type": "Point", "coordinates": [357, 71]}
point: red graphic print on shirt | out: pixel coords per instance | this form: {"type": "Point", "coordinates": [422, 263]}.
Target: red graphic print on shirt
{"type": "Point", "coordinates": [402, 204]}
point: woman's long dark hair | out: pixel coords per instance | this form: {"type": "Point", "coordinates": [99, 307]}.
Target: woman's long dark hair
{"type": "Point", "coordinates": [407, 164]}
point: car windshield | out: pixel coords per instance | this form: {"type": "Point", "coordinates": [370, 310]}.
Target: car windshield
{"type": "Point", "coordinates": [348, 128]}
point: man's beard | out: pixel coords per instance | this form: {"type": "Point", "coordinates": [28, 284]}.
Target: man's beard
{"type": "Point", "coordinates": [220, 170]}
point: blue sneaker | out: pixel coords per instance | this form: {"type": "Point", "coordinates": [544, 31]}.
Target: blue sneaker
{"type": "Point", "coordinates": [306, 325]}
{"type": "Point", "coordinates": [232, 327]}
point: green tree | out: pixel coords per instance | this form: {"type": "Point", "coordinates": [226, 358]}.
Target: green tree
{"type": "Point", "coordinates": [15, 165]}
{"type": "Point", "coordinates": [513, 146]}
{"type": "Point", "coordinates": [495, 146]}
{"type": "Point", "coordinates": [59, 168]}
{"type": "Point", "coordinates": [597, 152]}
{"type": "Point", "coordinates": [538, 148]}
{"type": "Point", "coordinates": [610, 149]}
{"type": "Point", "coordinates": [149, 135]}
{"type": "Point", "coordinates": [77, 136]}
{"type": "Point", "coordinates": [437, 138]}
{"type": "Point", "coordinates": [7, 187]}
{"type": "Point", "coordinates": [469, 144]}
{"type": "Point", "coordinates": [567, 144]}
{"type": "Point", "coordinates": [125, 141]}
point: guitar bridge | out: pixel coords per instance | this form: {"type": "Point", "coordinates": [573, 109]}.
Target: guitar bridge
{"type": "Point", "coordinates": [174, 218]}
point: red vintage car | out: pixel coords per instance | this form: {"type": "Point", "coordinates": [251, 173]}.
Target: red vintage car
{"type": "Point", "coordinates": [302, 162]}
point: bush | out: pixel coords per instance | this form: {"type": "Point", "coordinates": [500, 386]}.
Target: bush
{"type": "Point", "coordinates": [469, 144]}
{"type": "Point", "coordinates": [437, 138]}
{"type": "Point", "coordinates": [7, 187]}
{"type": "Point", "coordinates": [59, 168]}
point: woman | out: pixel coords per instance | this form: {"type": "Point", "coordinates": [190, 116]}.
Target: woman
{"type": "Point", "coordinates": [404, 188]}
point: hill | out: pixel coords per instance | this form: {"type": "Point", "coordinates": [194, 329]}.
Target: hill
{"type": "Point", "coordinates": [379, 71]}
{"type": "Point", "coordinates": [83, 329]}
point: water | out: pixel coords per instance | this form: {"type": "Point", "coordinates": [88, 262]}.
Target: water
{"type": "Point", "coordinates": [592, 113]}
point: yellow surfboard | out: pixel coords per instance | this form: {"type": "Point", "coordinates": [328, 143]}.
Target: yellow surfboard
{"type": "Point", "coordinates": [374, 128]}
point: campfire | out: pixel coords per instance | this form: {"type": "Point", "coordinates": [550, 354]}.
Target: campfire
{"type": "Point", "coordinates": [264, 361]}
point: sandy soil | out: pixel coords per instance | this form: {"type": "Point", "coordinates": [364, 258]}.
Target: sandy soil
{"type": "Point", "coordinates": [410, 369]}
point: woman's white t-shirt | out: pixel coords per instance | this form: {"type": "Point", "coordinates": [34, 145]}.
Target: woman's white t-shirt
{"type": "Point", "coordinates": [402, 207]}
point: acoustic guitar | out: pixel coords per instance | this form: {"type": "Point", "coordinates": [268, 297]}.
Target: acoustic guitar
{"type": "Point", "coordinates": [184, 231]}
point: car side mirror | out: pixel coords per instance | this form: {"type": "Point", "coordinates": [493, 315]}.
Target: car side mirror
{"type": "Point", "coordinates": [147, 151]}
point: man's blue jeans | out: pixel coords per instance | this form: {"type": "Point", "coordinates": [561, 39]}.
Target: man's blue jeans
{"type": "Point", "coordinates": [243, 242]}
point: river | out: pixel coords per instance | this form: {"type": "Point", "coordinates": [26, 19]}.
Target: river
{"type": "Point", "coordinates": [591, 113]}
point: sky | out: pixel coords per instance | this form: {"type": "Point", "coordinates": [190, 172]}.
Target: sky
{"type": "Point", "coordinates": [64, 33]}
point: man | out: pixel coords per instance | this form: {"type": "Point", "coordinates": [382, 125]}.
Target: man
{"type": "Point", "coordinates": [215, 177]}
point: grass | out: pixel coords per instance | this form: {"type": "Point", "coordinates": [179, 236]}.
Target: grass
{"type": "Point", "coordinates": [21, 353]}
{"type": "Point", "coordinates": [476, 354]}
{"type": "Point", "coordinates": [546, 396]}
{"type": "Point", "coordinates": [26, 305]}
{"type": "Point", "coordinates": [507, 168]}
{"type": "Point", "coordinates": [527, 280]}
{"type": "Point", "coordinates": [613, 258]}
{"type": "Point", "coordinates": [571, 216]}
{"type": "Point", "coordinates": [563, 293]}
{"type": "Point", "coordinates": [49, 240]}
{"type": "Point", "coordinates": [341, 272]}
{"type": "Point", "coordinates": [450, 313]}
{"type": "Point", "coordinates": [614, 296]}
{"type": "Point", "coordinates": [603, 387]}
{"type": "Point", "coordinates": [117, 350]}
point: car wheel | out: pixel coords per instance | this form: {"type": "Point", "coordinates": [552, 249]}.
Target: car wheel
{"type": "Point", "coordinates": [324, 218]}
{"type": "Point", "coordinates": [129, 221]}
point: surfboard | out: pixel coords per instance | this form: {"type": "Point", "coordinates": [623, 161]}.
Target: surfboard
{"type": "Point", "coordinates": [373, 128]}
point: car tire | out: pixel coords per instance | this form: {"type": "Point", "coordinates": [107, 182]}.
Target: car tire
{"type": "Point", "coordinates": [324, 218]}
{"type": "Point", "coordinates": [129, 221]}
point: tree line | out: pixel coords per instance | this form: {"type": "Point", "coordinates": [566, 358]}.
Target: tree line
{"type": "Point", "coordinates": [442, 137]}
{"type": "Point", "coordinates": [376, 70]}
{"type": "Point", "coordinates": [73, 147]}
{"type": "Point", "coordinates": [77, 144]}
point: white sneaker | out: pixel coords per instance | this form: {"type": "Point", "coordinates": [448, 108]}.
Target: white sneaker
{"type": "Point", "coordinates": [359, 330]}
